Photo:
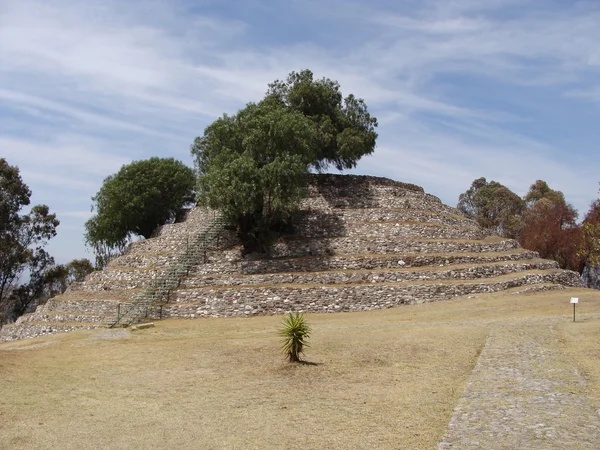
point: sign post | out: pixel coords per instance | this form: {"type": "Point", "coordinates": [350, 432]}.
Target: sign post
{"type": "Point", "coordinates": [574, 300]}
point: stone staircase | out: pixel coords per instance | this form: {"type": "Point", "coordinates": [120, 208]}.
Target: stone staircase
{"type": "Point", "coordinates": [360, 243]}
{"type": "Point", "coordinates": [150, 301]}
{"type": "Point", "coordinates": [133, 287]}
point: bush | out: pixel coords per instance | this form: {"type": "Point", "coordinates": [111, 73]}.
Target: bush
{"type": "Point", "coordinates": [295, 333]}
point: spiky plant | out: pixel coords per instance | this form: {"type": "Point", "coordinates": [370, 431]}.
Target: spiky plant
{"type": "Point", "coordinates": [295, 333]}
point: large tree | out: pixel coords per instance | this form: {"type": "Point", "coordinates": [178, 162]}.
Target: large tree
{"type": "Point", "coordinates": [346, 130]}
{"type": "Point", "coordinates": [252, 166]}
{"type": "Point", "coordinates": [78, 269]}
{"type": "Point", "coordinates": [590, 246]}
{"type": "Point", "coordinates": [45, 280]}
{"type": "Point", "coordinates": [493, 206]}
{"type": "Point", "coordinates": [43, 276]}
{"type": "Point", "coordinates": [22, 236]}
{"type": "Point", "coordinates": [136, 200]}
{"type": "Point", "coordinates": [550, 226]}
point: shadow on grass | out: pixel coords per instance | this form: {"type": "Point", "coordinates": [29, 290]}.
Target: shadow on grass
{"type": "Point", "coordinates": [309, 363]}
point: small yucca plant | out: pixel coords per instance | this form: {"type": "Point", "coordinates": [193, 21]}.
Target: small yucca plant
{"type": "Point", "coordinates": [295, 333]}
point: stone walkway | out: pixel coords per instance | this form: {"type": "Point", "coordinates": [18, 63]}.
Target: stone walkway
{"type": "Point", "coordinates": [524, 394]}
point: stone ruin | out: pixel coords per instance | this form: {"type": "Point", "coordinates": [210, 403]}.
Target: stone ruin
{"type": "Point", "coordinates": [360, 243]}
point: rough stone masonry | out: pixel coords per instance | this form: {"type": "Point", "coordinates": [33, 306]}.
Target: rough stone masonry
{"type": "Point", "coordinates": [360, 243]}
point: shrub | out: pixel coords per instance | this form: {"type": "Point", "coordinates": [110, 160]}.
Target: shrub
{"type": "Point", "coordinates": [295, 333]}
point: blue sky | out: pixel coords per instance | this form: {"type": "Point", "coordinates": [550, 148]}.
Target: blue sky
{"type": "Point", "coordinates": [506, 89]}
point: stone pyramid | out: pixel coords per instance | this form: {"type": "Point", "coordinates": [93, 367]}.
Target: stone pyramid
{"type": "Point", "coordinates": [361, 243]}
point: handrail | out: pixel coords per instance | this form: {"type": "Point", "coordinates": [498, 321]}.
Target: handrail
{"type": "Point", "coordinates": [160, 289]}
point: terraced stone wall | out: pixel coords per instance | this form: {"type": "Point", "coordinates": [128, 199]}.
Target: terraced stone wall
{"type": "Point", "coordinates": [349, 228]}
{"type": "Point", "coordinates": [271, 300]}
{"type": "Point", "coordinates": [361, 243]}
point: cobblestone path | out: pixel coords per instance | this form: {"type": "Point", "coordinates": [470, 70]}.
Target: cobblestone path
{"type": "Point", "coordinates": [524, 394]}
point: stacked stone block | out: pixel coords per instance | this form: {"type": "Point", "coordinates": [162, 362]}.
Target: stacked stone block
{"type": "Point", "coordinates": [360, 243]}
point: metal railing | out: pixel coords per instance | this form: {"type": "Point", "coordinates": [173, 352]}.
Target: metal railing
{"type": "Point", "coordinates": [158, 292]}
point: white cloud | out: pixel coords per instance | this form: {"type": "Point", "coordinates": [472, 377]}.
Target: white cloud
{"type": "Point", "coordinates": [77, 156]}
{"type": "Point", "coordinates": [445, 164]}
{"type": "Point", "coordinates": [76, 214]}
{"type": "Point", "coordinates": [591, 94]}
{"type": "Point", "coordinates": [41, 105]}
{"type": "Point", "coordinates": [45, 180]}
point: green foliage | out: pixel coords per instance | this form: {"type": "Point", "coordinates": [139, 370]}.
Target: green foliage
{"type": "Point", "coordinates": [22, 236]}
{"type": "Point", "coordinates": [346, 130]}
{"type": "Point", "coordinates": [542, 221]}
{"type": "Point", "coordinates": [78, 269]}
{"type": "Point", "coordinates": [590, 245]}
{"type": "Point", "coordinates": [550, 226]}
{"type": "Point", "coordinates": [43, 277]}
{"type": "Point", "coordinates": [46, 280]}
{"type": "Point", "coordinates": [252, 166]}
{"type": "Point", "coordinates": [590, 242]}
{"type": "Point", "coordinates": [493, 206]}
{"type": "Point", "coordinates": [540, 193]}
{"type": "Point", "coordinates": [133, 202]}
{"type": "Point", "coordinates": [540, 190]}
{"type": "Point", "coordinates": [295, 333]}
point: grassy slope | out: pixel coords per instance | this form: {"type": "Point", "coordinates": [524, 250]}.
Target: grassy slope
{"type": "Point", "coordinates": [382, 379]}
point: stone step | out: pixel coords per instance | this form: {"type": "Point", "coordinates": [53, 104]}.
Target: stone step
{"type": "Point", "coordinates": [293, 246]}
{"type": "Point", "coordinates": [316, 263]}
{"type": "Point", "coordinates": [196, 219]}
{"type": "Point", "coordinates": [143, 261]}
{"type": "Point", "coordinates": [11, 332]}
{"type": "Point", "coordinates": [110, 286]}
{"type": "Point", "coordinates": [351, 276]}
{"type": "Point", "coordinates": [402, 215]}
{"type": "Point", "coordinates": [130, 278]}
{"type": "Point", "coordinates": [99, 292]}
{"type": "Point", "coordinates": [97, 307]}
{"type": "Point", "coordinates": [539, 287]}
{"type": "Point", "coordinates": [403, 230]}
{"type": "Point", "coordinates": [63, 316]}
{"type": "Point", "coordinates": [176, 244]}
{"type": "Point", "coordinates": [333, 226]}
{"type": "Point", "coordinates": [362, 261]}
{"type": "Point", "coordinates": [81, 311]}
{"type": "Point", "coordinates": [129, 275]}
{"type": "Point", "coordinates": [380, 197]}
{"type": "Point", "coordinates": [279, 299]}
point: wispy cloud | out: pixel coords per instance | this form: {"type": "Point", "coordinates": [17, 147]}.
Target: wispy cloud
{"type": "Point", "coordinates": [76, 214]}
{"type": "Point", "coordinates": [78, 156]}
{"type": "Point", "coordinates": [40, 107]}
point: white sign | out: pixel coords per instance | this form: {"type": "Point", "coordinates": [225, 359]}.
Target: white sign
{"type": "Point", "coordinates": [574, 300]}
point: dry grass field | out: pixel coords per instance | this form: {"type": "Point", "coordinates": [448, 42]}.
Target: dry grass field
{"type": "Point", "coordinates": [379, 379]}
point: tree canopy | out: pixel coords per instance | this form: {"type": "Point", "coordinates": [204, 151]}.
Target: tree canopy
{"type": "Point", "coordinates": [346, 130]}
{"type": "Point", "coordinates": [22, 236]}
{"type": "Point", "coordinates": [590, 241]}
{"type": "Point", "coordinates": [542, 220]}
{"type": "Point", "coordinates": [493, 206]}
{"type": "Point", "coordinates": [133, 202]}
{"type": "Point", "coordinates": [550, 227]}
{"type": "Point", "coordinates": [45, 281]}
{"type": "Point", "coordinates": [252, 165]}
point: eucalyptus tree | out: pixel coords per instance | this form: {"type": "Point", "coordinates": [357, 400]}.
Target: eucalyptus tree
{"type": "Point", "coordinates": [22, 236]}
{"type": "Point", "coordinates": [493, 206]}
